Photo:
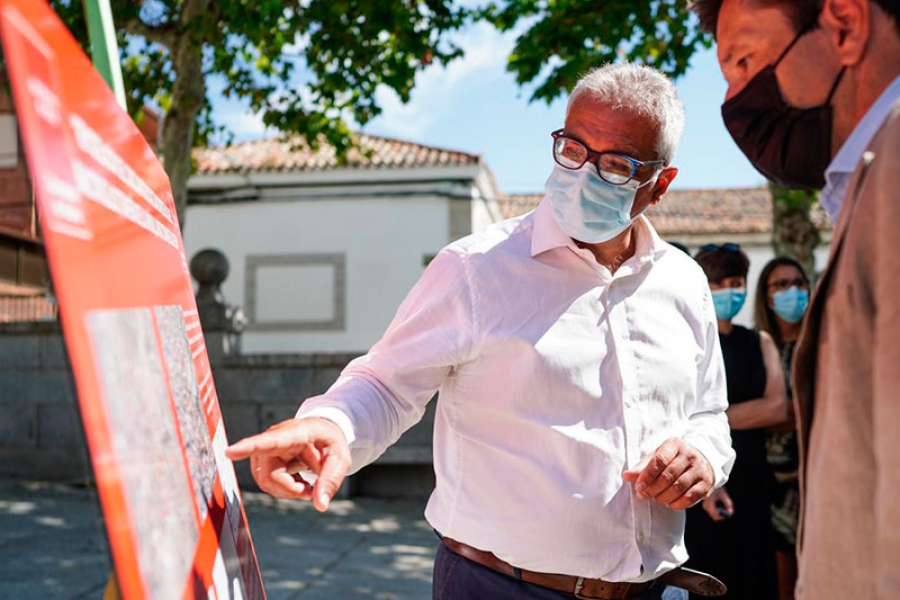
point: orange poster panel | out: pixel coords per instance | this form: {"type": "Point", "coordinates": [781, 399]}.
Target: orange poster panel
{"type": "Point", "coordinates": [174, 517]}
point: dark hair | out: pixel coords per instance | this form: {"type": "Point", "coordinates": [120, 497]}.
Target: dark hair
{"type": "Point", "coordinates": [801, 12]}
{"type": "Point", "coordinates": [681, 247]}
{"type": "Point", "coordinates": [891, 7]}
{"type": "Point", "coordinates": [720, 262]}
{"type": "Point", "coordinates": [766, 320]}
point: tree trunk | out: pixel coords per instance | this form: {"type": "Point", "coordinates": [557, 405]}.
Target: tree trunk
{"type": "Point", "coordinates": [793, 232]}
{"type": "Point", "coordinates": [188, 91]}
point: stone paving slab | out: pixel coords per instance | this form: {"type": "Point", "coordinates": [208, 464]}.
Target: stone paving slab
{"type": "Point", "coordinates": [53, 545]}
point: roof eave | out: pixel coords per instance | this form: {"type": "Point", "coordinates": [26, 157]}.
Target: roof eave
{"type": "Point", "coordinates": [342, 175]}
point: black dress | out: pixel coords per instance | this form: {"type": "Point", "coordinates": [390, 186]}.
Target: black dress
{"type": "Point", "coordinates": [740, 550]}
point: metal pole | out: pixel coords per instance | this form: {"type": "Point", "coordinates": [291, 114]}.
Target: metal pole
{"type": "Point", "coordinates": [104, 49]}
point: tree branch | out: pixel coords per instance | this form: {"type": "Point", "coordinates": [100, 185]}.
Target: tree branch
{"type": "Point", "coordinates": [164, 35]}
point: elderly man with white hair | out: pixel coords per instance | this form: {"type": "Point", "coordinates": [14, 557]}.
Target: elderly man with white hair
{"type": "Point", "coordinates": [582, 393]}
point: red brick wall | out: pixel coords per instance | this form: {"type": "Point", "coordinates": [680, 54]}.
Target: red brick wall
{"type": "Point", "coordinates": [16, 211]}
{"type": "Point", "coordinates": [149, 126]}
{"type": "Point", "coordinates": [16, 206]}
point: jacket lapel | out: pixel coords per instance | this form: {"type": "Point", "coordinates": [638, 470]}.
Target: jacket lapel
{"type": "Point", "coordinates": [803, 369]}
{"type": "Point", "coordinates": [804, 361]}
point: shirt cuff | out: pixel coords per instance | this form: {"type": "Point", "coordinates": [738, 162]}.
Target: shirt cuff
{"type": "Point", "coordinates": [335, 415]}
{"type": "Point", "coordinates": [714, 457]}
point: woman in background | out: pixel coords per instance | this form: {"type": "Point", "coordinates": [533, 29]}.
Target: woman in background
{"type": "Point", "coordinates": [782, 296]}
{"type": "Point", "coordinates": [730, 534]}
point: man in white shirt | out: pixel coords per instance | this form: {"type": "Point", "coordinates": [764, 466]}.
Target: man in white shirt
{"type": "Point", "coordinates": [814, 99]}
{"type": "Point", "coordinates": [582, 398]}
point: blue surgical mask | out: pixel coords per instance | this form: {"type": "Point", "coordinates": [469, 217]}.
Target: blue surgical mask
{"type": "Point", "coordinates": [587, 208]}
{"type": "Point", "coordinates": [790, 304]}
{"type": "Point", "coordinates": [728, 302]}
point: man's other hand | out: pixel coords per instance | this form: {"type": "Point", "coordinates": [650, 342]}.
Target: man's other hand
{"type": "Point", "coordinates": [676, 475]}
{"type": "Point", "coordinates": [311, 444]}
{"type": "Point", "coordinates": [719, 505]}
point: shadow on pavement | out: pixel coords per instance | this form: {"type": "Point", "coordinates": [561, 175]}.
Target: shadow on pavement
{"type": "Point", "coordinates": [53, 545]}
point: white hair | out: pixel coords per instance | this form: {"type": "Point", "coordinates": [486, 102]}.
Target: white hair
{"type": "Point", "coordinates": [641, 89]}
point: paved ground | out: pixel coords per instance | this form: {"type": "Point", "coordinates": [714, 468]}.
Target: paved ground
{"type": "Point", "coordinates": [53, 545]}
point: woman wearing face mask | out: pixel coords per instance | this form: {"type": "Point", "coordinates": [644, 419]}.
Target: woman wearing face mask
{"type": "Point", "coordinates": [730, 533]}
{"type": "Point", "coordinates": [782, 296]}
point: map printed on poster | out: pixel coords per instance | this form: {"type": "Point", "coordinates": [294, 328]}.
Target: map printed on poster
{"type": "Point", "coordinates": [175, 521]}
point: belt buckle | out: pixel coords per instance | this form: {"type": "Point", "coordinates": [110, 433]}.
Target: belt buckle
{"type": "Point", "coordinates": [579, 585]}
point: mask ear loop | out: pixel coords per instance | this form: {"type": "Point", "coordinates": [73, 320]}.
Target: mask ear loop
{"type": "Point", "coordinates": [835, 84]}
{"type": "Point", "coordinates": [654, 180]}
{"type": "Point", "coordinates": [813, 23]}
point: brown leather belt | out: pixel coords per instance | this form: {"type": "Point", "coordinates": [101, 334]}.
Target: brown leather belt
{"type": "Point", "coordinates": [592, 589]}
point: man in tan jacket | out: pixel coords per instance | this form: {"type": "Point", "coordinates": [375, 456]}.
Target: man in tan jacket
{"type": "Point", "coordinates": [814, 100]}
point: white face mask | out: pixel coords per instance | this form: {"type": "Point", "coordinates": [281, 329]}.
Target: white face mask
{"type": "Point", "coordinates": [587, 208]}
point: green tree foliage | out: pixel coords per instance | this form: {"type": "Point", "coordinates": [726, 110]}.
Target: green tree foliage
{"type": "Point", "coordinates": [794, 233]}
{"type": "Point", "coordinates": [563, 39]}
{"type": "Point", "coordinates": [307, 66]}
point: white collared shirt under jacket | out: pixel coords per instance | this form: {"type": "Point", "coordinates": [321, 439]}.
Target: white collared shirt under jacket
{"type": "Point", "coordinates": [844, 163]}
{"type": "Point", "coordinates": [555, 377]}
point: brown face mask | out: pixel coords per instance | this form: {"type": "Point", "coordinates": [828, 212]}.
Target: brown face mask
{"type": "Point", "coordinates": [790, 146]}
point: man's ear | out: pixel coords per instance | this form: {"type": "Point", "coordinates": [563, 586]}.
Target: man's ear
{"type": "Point", "coordinates": [849, 27]}
{"type": "Point", "coordinates": [662, 183]}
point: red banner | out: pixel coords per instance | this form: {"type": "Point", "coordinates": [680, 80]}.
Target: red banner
{"type": "Point", "coordinates": [173, 512]}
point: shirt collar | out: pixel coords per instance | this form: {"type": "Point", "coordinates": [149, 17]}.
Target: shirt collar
{"type": "Point", "coordinates": [842, 166]}
{"type": "Point", "coordinates": [547, 235]}
{"type": "Point", "coordinates": [845, 161]}
{"type": "Point", "coordinates": [650, 246]}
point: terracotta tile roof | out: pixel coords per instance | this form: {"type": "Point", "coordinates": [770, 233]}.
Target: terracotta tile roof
{"type": "Point", "coordinates": [291, 153]}
{"type": "Point", "coordinates": [747, 210]}
{"type": "Point", "coordinates": [513, 205]}
{"type": "Point", "coordinates": [695, 212]}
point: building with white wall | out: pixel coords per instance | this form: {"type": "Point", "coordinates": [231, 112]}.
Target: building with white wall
{"type": "Point", "coordinates": [322, 253]}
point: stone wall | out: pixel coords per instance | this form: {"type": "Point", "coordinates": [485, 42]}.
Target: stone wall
{"type": "Point", "coordinates": [257, 391]}
{"type": "Point", "coordinates": [41, 435]}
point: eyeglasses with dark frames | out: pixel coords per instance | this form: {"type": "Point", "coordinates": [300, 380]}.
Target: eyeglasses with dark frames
{"type": "Point", "coordinates": [613, 168]}
{"type": "Point", "coordinates": [784, 284]}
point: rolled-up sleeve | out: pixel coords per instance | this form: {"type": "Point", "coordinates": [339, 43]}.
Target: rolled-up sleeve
{"type": "Point", "coordinates": [382, 394]}
{"type": "Point", "coordinates": [708, 429]}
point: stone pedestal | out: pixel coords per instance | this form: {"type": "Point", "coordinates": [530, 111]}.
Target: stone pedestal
{"type": "Point", "coordinates": [222, 322]}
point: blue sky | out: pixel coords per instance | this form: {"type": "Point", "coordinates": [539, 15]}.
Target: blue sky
{"type": "Point", "coordinates": [474, 105]}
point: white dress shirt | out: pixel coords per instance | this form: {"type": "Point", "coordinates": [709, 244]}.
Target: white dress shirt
{"type": "Point", "coordinates": [842, 166]}
{"type": "Point", "coordinates": [554, 377]}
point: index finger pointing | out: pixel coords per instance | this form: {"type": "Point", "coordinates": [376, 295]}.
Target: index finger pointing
{"type": "Point", "coordinates": [242, 449]}
{"type": "Point", "coordinates": [269, 443]}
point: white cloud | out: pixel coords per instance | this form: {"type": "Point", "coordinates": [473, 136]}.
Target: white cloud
{"type": "Point", "coordinates": [436, 88]}
{"type": "Point", "coordinates": [244, 125]}
{"type": "Point", "coordinates": [249, 124]}
{"type": "Point", "coordinates": [486, 51]}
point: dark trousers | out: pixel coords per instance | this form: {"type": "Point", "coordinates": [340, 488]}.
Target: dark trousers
{"type": "Point", "coordinates": [458, 578]}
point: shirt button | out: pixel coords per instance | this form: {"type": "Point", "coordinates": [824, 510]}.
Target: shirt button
{"type": "Point", "coordinates": [641, 536]}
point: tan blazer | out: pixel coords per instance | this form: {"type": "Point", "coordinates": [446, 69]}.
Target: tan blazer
{"type": "Point", "coordinates": [846, 378]}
